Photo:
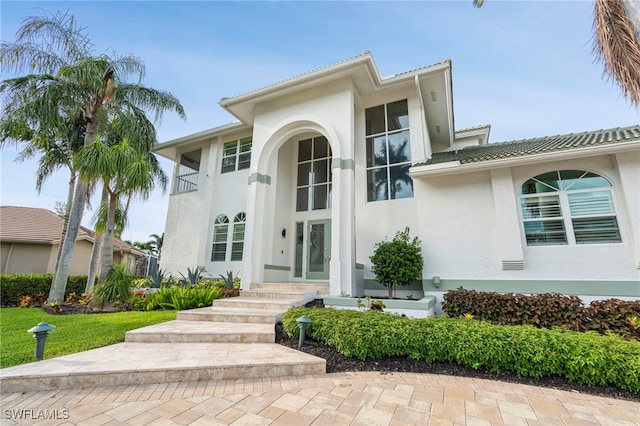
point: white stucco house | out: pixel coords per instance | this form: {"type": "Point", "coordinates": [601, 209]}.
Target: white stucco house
{"type": "Point", "coordinates": [320, 167]}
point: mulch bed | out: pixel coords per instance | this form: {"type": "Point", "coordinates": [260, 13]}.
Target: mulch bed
{"type": "Point", "coordinates": [336, 362]}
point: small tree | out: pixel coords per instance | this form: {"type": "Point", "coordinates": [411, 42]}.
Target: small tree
{"type": "Point", "coordinates": [397, 262]}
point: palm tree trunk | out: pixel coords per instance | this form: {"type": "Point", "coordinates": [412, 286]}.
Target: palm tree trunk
{"type": "Point", "coordinates": [59, 283]}
{"type": "Point", "coordinates": [67, 212]}
{"type": "Point", "coordinates": [96, 253]}
{"type": "Point", "coordinates": [107, 248]}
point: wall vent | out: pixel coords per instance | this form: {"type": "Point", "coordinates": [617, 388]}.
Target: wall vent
{"type": "Point", "coordinates": [512, 265]}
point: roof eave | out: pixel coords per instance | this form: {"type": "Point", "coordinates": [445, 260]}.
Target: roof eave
{"type": "Point", "coordinates": [455, 167]}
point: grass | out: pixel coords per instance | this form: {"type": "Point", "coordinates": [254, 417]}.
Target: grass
{"type": "Point", "coordinates": [73, 333]}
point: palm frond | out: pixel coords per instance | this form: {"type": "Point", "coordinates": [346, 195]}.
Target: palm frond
{"type": "Point", "coordinates": [616, 44]}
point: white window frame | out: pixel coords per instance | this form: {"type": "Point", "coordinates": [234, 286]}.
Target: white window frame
{"type": "Point", "coordinates": [237, 236]}
{"type": "Point", "coordinates": [236, 155]}
{"type": "Point", "coordinates": [220, 237]}
{"type": "Point", "coordinates": [565, 215]}
{"type": "Point", "coordinates": [386, 133]}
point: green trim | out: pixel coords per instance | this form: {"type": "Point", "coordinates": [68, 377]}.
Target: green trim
{"type": "Point", "coordinates": [260, 178]}
{"type": "Point", "coordinates": [584, 288]}
{"type": "Point", "coordinates": [277, 268]}
{"type": "Point", "coordinates": [425, 303]}
{"type": "Point", "coordinates": [359, 265]}
{"type": "Point", "coordinates": [340, 163]}
{"type": "Point", "coordinates": [370, 284]}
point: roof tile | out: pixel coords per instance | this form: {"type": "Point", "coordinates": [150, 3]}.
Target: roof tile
{"type": "Point", "coordinates": [524, 147]}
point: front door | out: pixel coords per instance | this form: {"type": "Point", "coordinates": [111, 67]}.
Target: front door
{"type": "Point", "coordinates": [318, 249]}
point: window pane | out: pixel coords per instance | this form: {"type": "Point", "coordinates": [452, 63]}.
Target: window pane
{"type": "Point", "coordinates": [244, 161]}
{"type": "Point", "coordinates": [299, 248]}
{"type": "Point", "coordinates": [374, 120]}
{"type": "Point", "coordinates": [545, 232]}
{"type": "Point", "coordinates": [541, 207]}
{"type": "Point", "coordinates": [238, 232]}
{"type": "Point", "coordinates": [230, 148]}
{"type": "Point", "coordinates": [220, 233]}
{"type": "Point", "coordinates": [320, 169]}
{"type": "Point", "coordinates": [399, 147]}
{"type": "Point", "coordinates": [319, 197]}
{"type": "Point", "coordinates": [376, 151]}
{"type": "Point", "coordinates": [320, 147]}
{"type": "Point", "coordinates": [397, 115]}
{"type": "Point", "coordinates": [236, 251]}
{"type": "Point", "coordinates": [303, 173]}
{"type": "Point", "coordinates": [304, 150]}
{"type": "Point", "coordinates": [401, 184]}
{"type": "Point", "coordinates": [551, 179]}
{"type": "Point", "coordinates": [532, 186]}
{"type": "Point", "coordinates": [245, 145]}
{"type": "Point", "coordinates": [218, 252]}
{"type": "Point", "coordinates": [302, 199]}
{"type": "Point", "coordinates": [596, 230]}
{"type": "Point", "coordinates": [569, 177]}
{"type": "Point", "coordinates": [591, 180]}
{"type": "Point", "coordinates": [590, 203]}
{"type": "Point", "coordinates": [228, 164]}
{"type": "Point", "coordinates": [377, 188]}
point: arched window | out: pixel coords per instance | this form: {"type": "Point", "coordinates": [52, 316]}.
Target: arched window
{"type": "Point", "coordinates": [237, 239]}
{"type": "Point", "coordinates": [568, 207]}
{"type": "Point", "coordinates": [220, 231]}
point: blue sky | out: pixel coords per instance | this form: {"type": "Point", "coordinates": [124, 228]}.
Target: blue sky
{"type": "Point", "coordinates": [526, 68]}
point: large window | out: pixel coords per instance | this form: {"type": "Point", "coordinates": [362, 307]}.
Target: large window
{"type": "Point", "coordinates": [568, 207]}
{"type": "Point", "coordinates": [388, 152]}
{"type": "Point", "coordinates": [237, 238]}
{"type": "Point", "coordinates": [236, 155]}
{"type": "Point", "coordinates": [220, 232]}
{"type": "Point", "coordinates": [314, 175]}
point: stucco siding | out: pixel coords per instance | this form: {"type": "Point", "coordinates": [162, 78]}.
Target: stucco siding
{"type": "Point", "coordinates": [25, 258]}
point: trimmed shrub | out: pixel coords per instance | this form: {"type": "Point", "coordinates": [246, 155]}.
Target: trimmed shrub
{"type": "Point", "coordinates": [545, 311]}
{"type": "Point", "coordinates": [15, 286]}
{"type": "Point", "coordinates": [175, 298]}
{"type": "Point", "coordinates": [587, 358]}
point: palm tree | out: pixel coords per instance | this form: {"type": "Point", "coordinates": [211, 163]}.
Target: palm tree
{"type": "Point", "coordinates": [616, 43]}
{"type": "Point", "coordinates": [55, 145]}
{"type": "Point", "coordinates": [124, 171]}
{"type": "Point", "coordinates": [156, 242]}
{"type": "Point", "coordinates": [68, 77]}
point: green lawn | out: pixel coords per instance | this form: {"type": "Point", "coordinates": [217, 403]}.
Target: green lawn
{"type": "Point", "coordinates": [73, 333]}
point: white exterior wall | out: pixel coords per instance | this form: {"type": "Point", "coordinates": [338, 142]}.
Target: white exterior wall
{"type": "Point", "coordinates": [380, 220]}
{"type": "Point", "coordinates": [461, 231]}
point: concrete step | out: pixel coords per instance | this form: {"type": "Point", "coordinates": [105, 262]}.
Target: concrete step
{"type": "Point", "coordinates": [202, 332]}
{"type": "Point", "coordinates": [231, 315]}
{"type": "Point", "coordinates": [320, 287]}
{"type": "Point", "coordinates": [133, 363]}
{"type": "Point", "coordinates": [277, 294]}
{"type": "Point", "coordinates": [254, 303]}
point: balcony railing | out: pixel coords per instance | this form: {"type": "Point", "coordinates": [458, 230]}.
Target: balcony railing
{"type": "Point", "coordinates": [186, 182]}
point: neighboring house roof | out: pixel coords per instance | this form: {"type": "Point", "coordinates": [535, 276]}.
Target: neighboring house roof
{"type": "Point", "coordinates": [525, 147]}
{"type": "Point", "coordinates": [36, 225]}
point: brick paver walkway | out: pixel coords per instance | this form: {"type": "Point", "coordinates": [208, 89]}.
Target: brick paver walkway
{"type": "Point", "coordinates": [371, 398]}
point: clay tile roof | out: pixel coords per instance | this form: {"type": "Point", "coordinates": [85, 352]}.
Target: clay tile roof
{"type": "Point", "coordinates": [36, 225]}
{"type": "Point", "coordinates": [524, 147]}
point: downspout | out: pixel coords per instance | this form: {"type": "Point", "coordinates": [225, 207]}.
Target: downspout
{"type": "Point", "coordinates": [423, 122]}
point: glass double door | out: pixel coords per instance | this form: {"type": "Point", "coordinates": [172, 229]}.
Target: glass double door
{"type": "Point", "coordinates": [314, 254]}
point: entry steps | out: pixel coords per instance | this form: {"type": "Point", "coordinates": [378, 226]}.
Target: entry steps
{"type": "Point", "coordinates": [232, 339]}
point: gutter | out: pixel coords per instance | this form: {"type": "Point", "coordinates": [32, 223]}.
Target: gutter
{"type": "Point", "coordinates": [455, 167]}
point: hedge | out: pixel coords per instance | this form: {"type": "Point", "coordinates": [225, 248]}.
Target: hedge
{"type": "Point", "coordinates": [587, 358]}
{"type": "Point", "coordinates": [14, 286]}
{"type": "Point", "coordinates": [546, 311]}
